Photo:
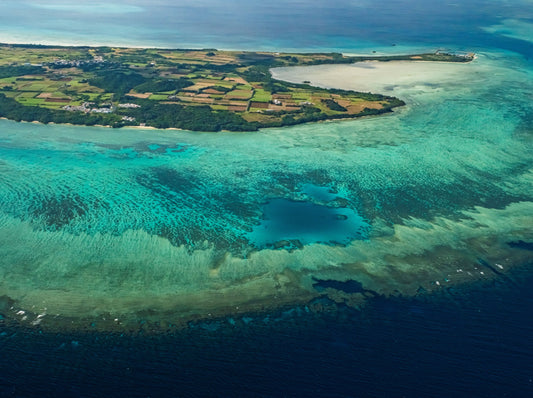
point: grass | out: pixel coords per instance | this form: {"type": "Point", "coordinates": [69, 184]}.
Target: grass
{"type": "Point", "coordinates": [7, 80]}
{"type": "Point", "coordinates": [239, 94]}
{"type": "Point", "coordinates": [261, 95]}
{"type": "Point", "coordinates": [158, 97]}
{"type": "Point", "coordinates": [219, 107]}
{"type": "Point", "coordinates": [30, 101]}
{"type": "Point", "coordinates": [28, 94]}
{"type": "Point", "coordinates": [301, 95]}
{"type": "Point", "coordinates": [92, 96]}
{"type": "Point", "coordinates": [259, 117]}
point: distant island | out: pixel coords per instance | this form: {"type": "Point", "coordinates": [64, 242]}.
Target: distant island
{"type": "Point", "coordinates": [200, 90]}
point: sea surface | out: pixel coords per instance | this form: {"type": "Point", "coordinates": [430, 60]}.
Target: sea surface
{"type": "Point", "coordinates": [387, 256]}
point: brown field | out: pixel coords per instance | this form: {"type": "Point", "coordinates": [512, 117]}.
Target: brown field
{"type": "Point", "coordinates": [281, 96]}
{"type": "Point", "coordinates": [44, 95]}
{"type": "Point", "coordinates": [197, 99]}
{"type": "Point", "coordinates": [238, 97]}
{"type": "Point", "coordinates": [64, 100]}
{"type": "Point", "coordinates": [239, 103]}
{"type": "Point", "coordinates": [235, 103]}
{"type": "Point", "coordinates": [290, 103]}
{"type": "Point", "coordinates": [199, 86]}
{"type": "Point", "coordinates": [235, 108]}
{"type": "Point", "coordinates": [172, 75]}
{"type": "Point", "coordinates": [212, 91]}
{"type": "Point", "coordinates": [359, 107]}
{"type": "Point", "coordinates": [139, 95]}
{"type": "Point", "coordinates": [236, 80]}
{"type": "Point", "coordinates": [261, 105]}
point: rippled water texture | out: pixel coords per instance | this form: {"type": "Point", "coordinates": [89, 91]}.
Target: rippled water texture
{"type": "Point", "coordinates": [133, 224]}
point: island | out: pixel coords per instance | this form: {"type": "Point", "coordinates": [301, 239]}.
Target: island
{"type": "Point", "coordinates": [193, 89]}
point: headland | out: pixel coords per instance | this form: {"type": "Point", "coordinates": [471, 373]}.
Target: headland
{"type": "Point", "coordinates": [193, 89]}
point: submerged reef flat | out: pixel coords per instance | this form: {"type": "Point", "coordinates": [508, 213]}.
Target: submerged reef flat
{"type": "Point", "coordinates": [202, 90]}
{"type": "Point", "coordinates": [124, 229]}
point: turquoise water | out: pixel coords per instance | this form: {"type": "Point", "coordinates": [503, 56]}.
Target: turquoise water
{"type": "Point", "coordinates": [306, 223]}
{"type": "Point", "coordinates": [97, 222]}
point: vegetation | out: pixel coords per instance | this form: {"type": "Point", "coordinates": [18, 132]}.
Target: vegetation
{"type": "Point", "coordinates": [116, 81]}
{"type": "Point", "coordinates": [204, 90]}
{"type": "Point", "coordinates": [334, 105]}
{"type": "Point", "coordinates": [16, 70]}
{"type": "Point", "coordinates": [11, 109]}
{"type": "Point", "coordinates": [156, 85]}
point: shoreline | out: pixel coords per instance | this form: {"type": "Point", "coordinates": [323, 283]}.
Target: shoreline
{"type": "Point", "coordinates": [378, 50]}
{"type": "Point", "coordinates": [333, 120]}
{"type": "Point", "coordinates": [261, 99]}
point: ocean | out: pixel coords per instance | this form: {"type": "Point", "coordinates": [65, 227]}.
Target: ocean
{"type": "Point", "coordinates": [387, 256]}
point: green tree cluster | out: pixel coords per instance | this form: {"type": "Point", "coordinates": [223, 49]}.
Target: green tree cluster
{"type": "Point", "coordinates": [198, 118]}
{"type": "Point", "coordinates": [117, 81]}
{"type": "Point", "coordinates": [160, 85]}
{"type": "Point", "coordinates": [334, 105]}
{"type": "Point", "coordinates": [19, 70]}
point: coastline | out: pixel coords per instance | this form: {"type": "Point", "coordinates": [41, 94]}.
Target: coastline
{"type": "Point", "coordinates": [237, 110]}
{"type": "Point", "coordinates": [96, 125]}
{"type": "Point", "coordinates": [250, 98]}
{"type": "Point", "coordinates": [370, 49]}
{"type": "Point", "coordinates": [332, 120]}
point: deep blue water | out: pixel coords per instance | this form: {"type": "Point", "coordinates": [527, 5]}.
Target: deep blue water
{"type": "Point", "coordinates": [471, 341]}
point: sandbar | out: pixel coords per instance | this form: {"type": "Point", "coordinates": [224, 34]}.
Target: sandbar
{"type": "Point", "coordinates": [389, 78]}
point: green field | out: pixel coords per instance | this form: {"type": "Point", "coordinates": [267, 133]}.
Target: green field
{"type": "Point", "coordinates": [159, 97]}
{"type": "Point", "coordinates": [261, 95]}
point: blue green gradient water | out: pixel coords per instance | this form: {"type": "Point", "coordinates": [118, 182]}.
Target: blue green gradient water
{"type": "Point", "coordinates": [319, 25]}
{"type": "Point", "coordinates": [134, 224]}
{"type": "Point", "coordinates": [97, 221]}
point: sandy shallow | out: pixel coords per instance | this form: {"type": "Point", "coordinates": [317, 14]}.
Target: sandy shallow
{"type": "Point", "coordinates": [392, 78]}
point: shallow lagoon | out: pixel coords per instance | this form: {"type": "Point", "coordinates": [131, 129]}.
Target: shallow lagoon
{"type": "Point", "coordinates": [99, 224]}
